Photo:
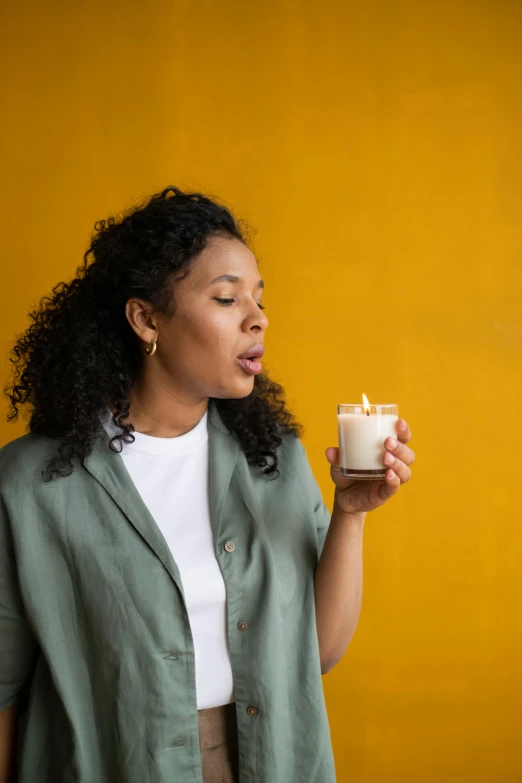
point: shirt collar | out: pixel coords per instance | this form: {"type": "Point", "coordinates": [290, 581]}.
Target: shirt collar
{"type": "Point", "coordinates": [227, 467]}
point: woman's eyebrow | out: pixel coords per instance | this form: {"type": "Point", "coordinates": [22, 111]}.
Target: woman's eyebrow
{"type": "Point", "coordinates": [233, 279]}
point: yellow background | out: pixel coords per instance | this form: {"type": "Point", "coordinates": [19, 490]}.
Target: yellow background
{"type": "Point", "coordinates": [376, 147]}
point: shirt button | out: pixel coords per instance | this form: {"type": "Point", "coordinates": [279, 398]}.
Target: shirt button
{"type": "Point", "coordinates": [229, 546]}
{"type": "Point", "coordinates": [252, 711]}
{"type": "Point", "coordinates": [170, 658]}
{"type": "Point", "coordinates": [242, 626]}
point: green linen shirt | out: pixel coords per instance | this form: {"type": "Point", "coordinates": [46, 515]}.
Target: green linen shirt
{"type": "Point", "coordinates": [95, 639]}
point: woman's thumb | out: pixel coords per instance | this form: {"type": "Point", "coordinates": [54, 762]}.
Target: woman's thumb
{"type": "Point", "coordinates": [332, 455]}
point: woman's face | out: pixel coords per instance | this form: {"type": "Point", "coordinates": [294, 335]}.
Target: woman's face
{"type": "Point", "coordinates": [198, 348]}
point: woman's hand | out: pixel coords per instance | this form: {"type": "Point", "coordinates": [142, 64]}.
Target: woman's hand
{"type": "Point", "coordinates": [353, 496]}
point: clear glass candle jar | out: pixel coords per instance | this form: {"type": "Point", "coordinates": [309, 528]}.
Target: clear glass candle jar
{"type": "Point", "coordinates": [362, 432]}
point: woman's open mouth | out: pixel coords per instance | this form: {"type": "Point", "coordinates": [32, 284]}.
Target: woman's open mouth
{"type": "Point", "coordinates": [251, 366]}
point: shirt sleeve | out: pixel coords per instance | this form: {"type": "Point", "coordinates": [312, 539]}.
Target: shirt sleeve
{"type": "Point", "coordinates": [321, 512]}
{"type": "Point", "coordinates": [18, 646]}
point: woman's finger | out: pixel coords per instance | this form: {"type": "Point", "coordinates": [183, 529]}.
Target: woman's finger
{"type": "Point", "coordinates": [403, 430]}
{"type": "Point", "coordinates": [390, 485]}
{"type": "Point", "coordinates": [398, 467]}
{"type": "Point", "coordinates": [400, 451]}
{"type": "Point", "coordinates": [332, 454]}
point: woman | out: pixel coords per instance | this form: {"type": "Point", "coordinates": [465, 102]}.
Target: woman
{"type": "Point", "coordinates": [169, 594]}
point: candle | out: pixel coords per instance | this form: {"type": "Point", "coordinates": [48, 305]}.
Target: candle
{"type": "Point", "coordinates": [362, 432]}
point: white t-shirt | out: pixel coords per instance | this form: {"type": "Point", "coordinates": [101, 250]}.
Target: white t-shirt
{"type": "Point", "coordinates": [172, 477]}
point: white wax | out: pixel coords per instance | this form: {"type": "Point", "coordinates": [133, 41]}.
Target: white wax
{"type": "Point", "coordinates": [361, 439]}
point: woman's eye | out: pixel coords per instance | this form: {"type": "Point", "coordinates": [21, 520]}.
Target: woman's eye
{"type": "Point", "coordinates": [231, 301]}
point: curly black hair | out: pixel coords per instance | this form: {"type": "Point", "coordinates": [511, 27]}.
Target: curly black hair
{"type": "Point", "coordinates": [80, 354]}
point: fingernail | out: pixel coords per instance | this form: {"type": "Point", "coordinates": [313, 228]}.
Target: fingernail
{"type": "Point", "coordinates": [392, 443]}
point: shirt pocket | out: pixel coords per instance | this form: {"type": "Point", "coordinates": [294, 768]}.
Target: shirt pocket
{"type": "Point", "coordinates": [294, 551]}
{"type": "Point", "coordinates": [286, 573]}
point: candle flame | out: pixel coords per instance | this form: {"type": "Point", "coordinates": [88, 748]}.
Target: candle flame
{"type": "Point", "coordinates": [366, 405]}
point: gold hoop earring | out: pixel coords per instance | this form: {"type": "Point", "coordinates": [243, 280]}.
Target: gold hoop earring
{"type": "Point", "coordinates": [151, 351]}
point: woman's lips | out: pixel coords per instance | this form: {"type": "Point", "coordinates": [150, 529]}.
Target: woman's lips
{"type": "Point", "coordinates": [251, 366]}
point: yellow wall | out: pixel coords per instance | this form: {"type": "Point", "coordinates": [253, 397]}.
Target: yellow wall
{"type": "Point", "coordinates": [377, 148]}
